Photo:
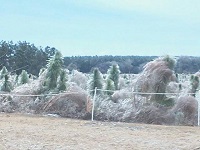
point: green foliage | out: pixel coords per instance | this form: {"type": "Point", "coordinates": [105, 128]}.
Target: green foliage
{"type": "Point", "coordinates": [62, 81]}
{"type": "Point", "coordinates": [194, 80]}
{"type": "Point", "coordinates": [4, 72]}
{"type": "Point", "coordinates": [54, 68]}
{"type": "Point", "coordinates": [7, 86]}
{"type": "Point", "coordinates": [170, 62]}
{"type": "Point", "coordinates": [96, 81]}
{"type": "Point", "coordinates": [110, 87]}
{"type": "Point", "coordinates": [24, 77]}
{"type": "Point", "coordinates": [113, 74]}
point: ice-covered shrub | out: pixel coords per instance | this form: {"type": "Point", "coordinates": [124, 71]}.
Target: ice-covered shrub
{"type": "Point", "coordinates": [154, 79]}
{"type": "Point", "coordinates": [73, 103]}
{"type": "Point", "coordinates": [106, 109]}
{"type": "Point", "coordinates": [79, 78]}
{"type": "Point", "coordinates": [185, 110]}
{"type": "Point", "coordinates": [121, 94]}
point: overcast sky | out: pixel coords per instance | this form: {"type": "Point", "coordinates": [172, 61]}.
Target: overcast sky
{"type": "Point", "coordinates": [105, 27]}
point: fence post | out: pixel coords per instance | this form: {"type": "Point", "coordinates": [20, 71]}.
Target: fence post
{"type": "Point", "coordinates": [198, 100]}
{"type": "Point", "coordinates": [95, 92]}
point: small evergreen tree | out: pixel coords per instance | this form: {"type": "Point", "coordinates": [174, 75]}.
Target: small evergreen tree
{"type": "Point", "coordinates": [62, 81]}
{"type": "Point", "coordinates": [7, 86]}
{"type": "Point", "coordinates": [24, 77]}
{"type": "Point", "coordinates": [113, 74]}
{"type": "Point", "coordinates": [4, 72]}
{"type": "Point", "coordinates": [54, 68]}
{"type": "Point", "coordinates": [96, 81]}
{"type": "Point", "coordinates": [110, 87]}
{"type": "Point", "coordinates": [194, 83]}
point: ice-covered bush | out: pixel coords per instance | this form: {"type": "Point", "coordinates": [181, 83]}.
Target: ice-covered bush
{"type": "Point", "coordinates": [154, 79]}
{"type": "Point", "coordinates": [79, 78]}
{"type": "Point", "coordinates": [185, 110]}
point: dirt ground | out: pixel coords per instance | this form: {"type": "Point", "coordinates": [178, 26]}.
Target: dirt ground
{"type": "Point", "coordinates": [29, 132]}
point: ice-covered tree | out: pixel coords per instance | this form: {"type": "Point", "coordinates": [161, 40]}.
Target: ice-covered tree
{"type": "Point", "coordinates": [7, 86]}
{"type": "Point", "coordinates": [194, 84]}
{"type": "Point", "coordinates": [62, 81]}
{"type": "Point", "coordinates": [4, 71]}
{"type": "Point", "coordinates": [96, 81]}
{"type": "Point", "coordinates": [54, 68]}
{"type": "Point", "coordinates": [24, 77]}
{"type": "Point", "coordinates": [113, 74]}
{"type": "Point", "coordinates": [109, 87]}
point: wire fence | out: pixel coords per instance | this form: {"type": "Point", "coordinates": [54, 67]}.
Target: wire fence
{"type": "Point", "coordinates": [133, 94]}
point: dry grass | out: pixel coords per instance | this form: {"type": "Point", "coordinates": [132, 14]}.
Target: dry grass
{"type": "Point", "coordinates": [23, 132]}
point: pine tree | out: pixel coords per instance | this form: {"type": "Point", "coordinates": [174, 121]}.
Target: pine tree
{"type": "Point", "coordinates": [194, 83]}
{"type": "Point", "coordinates": [113, 74]}
{"type": "Point", "coordinates": [62, 81]}
{"type": "Point", "coordinates": [54, 68]}
{"type": "Point", "coordinates": [110, 87]}
{"type": "Point", "coordinates": [96, 81]}
{"type": "Point", "coordinates": [24, 77]}
{"type": "Point", "coordinates": [4, 72]}
{"type": "Point", "coordinates": [7, 86]}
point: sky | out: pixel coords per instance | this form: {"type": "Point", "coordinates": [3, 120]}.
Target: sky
{"type": "Point", "coordinates": [105, 27]}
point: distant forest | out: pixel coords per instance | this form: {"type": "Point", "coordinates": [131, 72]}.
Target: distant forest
{"type": "Point", "coordinates": [25, 56]}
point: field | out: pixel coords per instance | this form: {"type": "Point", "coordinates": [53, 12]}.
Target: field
{"type": "Point", "coordinates": [29, 132]}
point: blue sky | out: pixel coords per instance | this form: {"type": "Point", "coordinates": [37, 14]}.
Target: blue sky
{"type": "Point", "coordinates": [105, 27]}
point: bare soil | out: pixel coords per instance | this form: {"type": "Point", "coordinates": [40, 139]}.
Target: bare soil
{"type": "Point", "coordinates": [30, 132]}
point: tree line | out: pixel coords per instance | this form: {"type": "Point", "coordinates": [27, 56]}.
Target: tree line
{"type": "Point", "coordinates": [128, 64]}
{"type": "Point", "coordinates": [25, 56]}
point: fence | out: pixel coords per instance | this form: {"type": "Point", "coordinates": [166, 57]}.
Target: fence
{"type": "Point", "coordinates": [95, 95]}
{"type": "Point", "coordinates": [141, 93]}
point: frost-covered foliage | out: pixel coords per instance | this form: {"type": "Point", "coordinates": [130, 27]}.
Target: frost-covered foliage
{"type": "Point", "coordinates": [121, 94]}
{"type": "Point", "coordinates": [4, 72]}
{"type": "Point", "coordinates": [185, 110]}
{"type": "Point", "coordinates": [154, 79]}
{"type": "Point", "coordinates": [72, 104]}
{"type": "Point", "coordinates": [124, 104]}
{"type": "Point", "coordinates": [24, 77]}
{"type": "Point", "coordinates": [54, 68]}
{"type": "Point", "coordinates": [62, 86]}
{"type": "Point", "coordinates": [79, 78]}
{"type": "Point", "coordinates": [96, 81]}
{"type": "Point", "coordinates": [6, 85]}
{"type": "Point", "coordinates": [194, 84]}
{"type": "Point", "coordinates": [109, 87]}
{"type": "Point", "coordinates": [108, 110]}
{"type": "Point", "coordinates": [113, 74]}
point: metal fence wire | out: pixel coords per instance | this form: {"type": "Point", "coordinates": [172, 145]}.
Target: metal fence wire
{"type": "Point", "coordinates": [134, 96]}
